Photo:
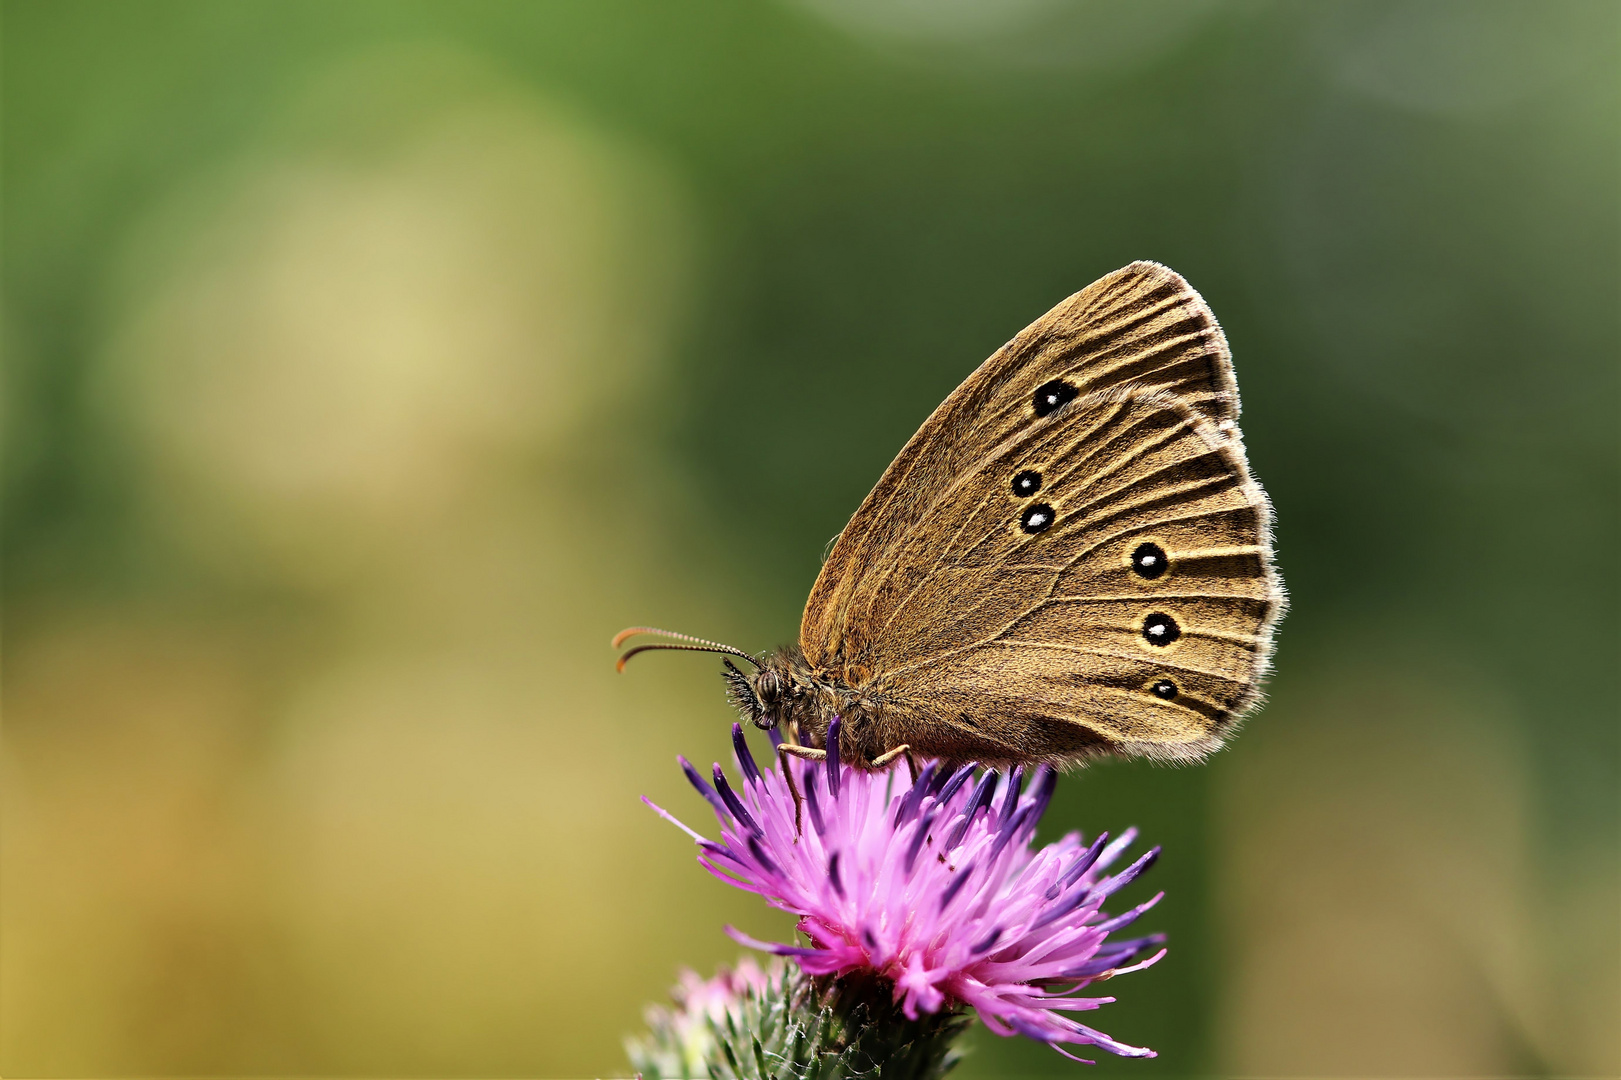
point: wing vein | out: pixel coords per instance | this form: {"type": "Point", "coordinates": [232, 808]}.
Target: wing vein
{"type": "Point", "coordinates": [1015, 643]}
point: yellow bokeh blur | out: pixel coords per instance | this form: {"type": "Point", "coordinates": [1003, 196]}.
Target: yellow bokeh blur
{"type": "Point", "coordinates": [387, 370]}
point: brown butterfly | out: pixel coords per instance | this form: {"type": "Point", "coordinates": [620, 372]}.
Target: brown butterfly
{"type": "Point", "coordinates": [1069, 559]}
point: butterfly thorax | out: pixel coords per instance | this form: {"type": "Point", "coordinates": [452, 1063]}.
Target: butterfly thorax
{"type": "Point", "coordinates": [787, 692]}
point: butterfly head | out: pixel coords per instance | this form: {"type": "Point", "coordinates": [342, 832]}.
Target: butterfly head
{"type": "Point", "coordinates": [778, 692]}
{"type": "Point", "coordinates": [784, 693]}
{"type": "Point", "coordinates": [761, 696]}
{"type": "Point", "coordinates": [770, 686]}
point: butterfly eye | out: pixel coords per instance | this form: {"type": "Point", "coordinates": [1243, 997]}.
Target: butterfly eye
{"type": "Point", "coordinates": [1052, 396]}
{"type": "Point", "coordinates": [1165, 689]}
{"type": "Point", "coordinates": [1160, 629]}
{"type": "Point", "coordinates": [1149, 561]}
{"type": "Point", "coordinates": [1027, 483]}
{"type": "Point", "coordinates": [1037, 518]}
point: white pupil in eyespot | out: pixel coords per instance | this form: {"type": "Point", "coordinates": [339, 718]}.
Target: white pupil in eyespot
{"type": "Point", "coordinates": [1027, 482]}
{"type": "Point", "coordinates": [1160, 629]}
{"type": "Point", "coordinates": [1149, 560]}
{"type": "Point", "coordinates": [1037, 518]}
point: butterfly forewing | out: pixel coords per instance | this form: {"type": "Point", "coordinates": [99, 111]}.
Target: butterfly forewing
{"type": "Point", "coordinates": [1083, 572]}
{"type": "Point", "coordinates": [1141, 326]}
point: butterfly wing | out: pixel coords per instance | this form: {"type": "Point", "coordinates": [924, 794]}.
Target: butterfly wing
{"type": "Point", "coordinates": [1125, 606]}
{"type": "Point", "coordinates": [996, 619]}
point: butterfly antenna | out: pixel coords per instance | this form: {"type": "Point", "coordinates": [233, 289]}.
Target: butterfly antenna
{"type": "Point", "coordinates": [632, 631]}
{"type": "Point", "coordinates": [686, 648]}
{"type": "Point", "coordinates": [695, 644]}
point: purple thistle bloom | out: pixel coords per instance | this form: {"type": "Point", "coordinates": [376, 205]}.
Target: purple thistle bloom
{"type": "Point", "coordinates": [934, 885]}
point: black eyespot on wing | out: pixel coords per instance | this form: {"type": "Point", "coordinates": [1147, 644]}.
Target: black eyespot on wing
{"type": "Point", "coordinates": [1027, 482]}
{"type": "Point", "coordinates": [1165, 689]}
{"type": "Point", "coordinates": [1160, 629]}
{"type": "Point", "coordinates": [1149, 561]}
{"type": "Point", "coordinates": [1052, 396]}
{"type": "Point", "coordinates": [1037, 517]}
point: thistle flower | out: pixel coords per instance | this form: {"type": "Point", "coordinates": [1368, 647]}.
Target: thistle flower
{"type": "Point", "coordinates": [683, 1037]}
{"type": "Point", "coordinates": [931, 884]}
{"type": "Point", "coordinates": [778, 1022]}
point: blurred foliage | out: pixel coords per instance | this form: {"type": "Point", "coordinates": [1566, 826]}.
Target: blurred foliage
{"type": "Point", "coordinates": [368, 364]}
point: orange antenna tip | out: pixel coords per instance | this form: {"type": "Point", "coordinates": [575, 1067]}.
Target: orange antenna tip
{"type": "Point", "coordinates": [632, 631]}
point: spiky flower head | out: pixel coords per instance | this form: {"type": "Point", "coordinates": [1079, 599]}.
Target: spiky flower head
{"type": "Point", "coordinates": [932, 884]}
{"type": "Point", "coordinates": [682, 1037]}
{"type": "Point", "coordinates": [750, 1024]}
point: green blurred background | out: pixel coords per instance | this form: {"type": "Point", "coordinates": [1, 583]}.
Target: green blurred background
{"type": "Point", "coordinates": [369, 364]}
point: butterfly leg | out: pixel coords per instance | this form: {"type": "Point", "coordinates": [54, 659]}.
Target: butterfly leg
{"type": "Point", "coordinates": [784, 752]}
{"type": "Point", "coordinates": [890, 755]}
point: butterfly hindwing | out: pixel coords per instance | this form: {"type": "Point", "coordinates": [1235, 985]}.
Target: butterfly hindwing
{"type": "Point", "coordinates": [999, 588]}
{"type": "Point", "coordinates": [1137, 621]}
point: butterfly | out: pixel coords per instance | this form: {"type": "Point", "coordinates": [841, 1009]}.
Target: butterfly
{"type": "Point", "coordinates": [1069, 560]}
